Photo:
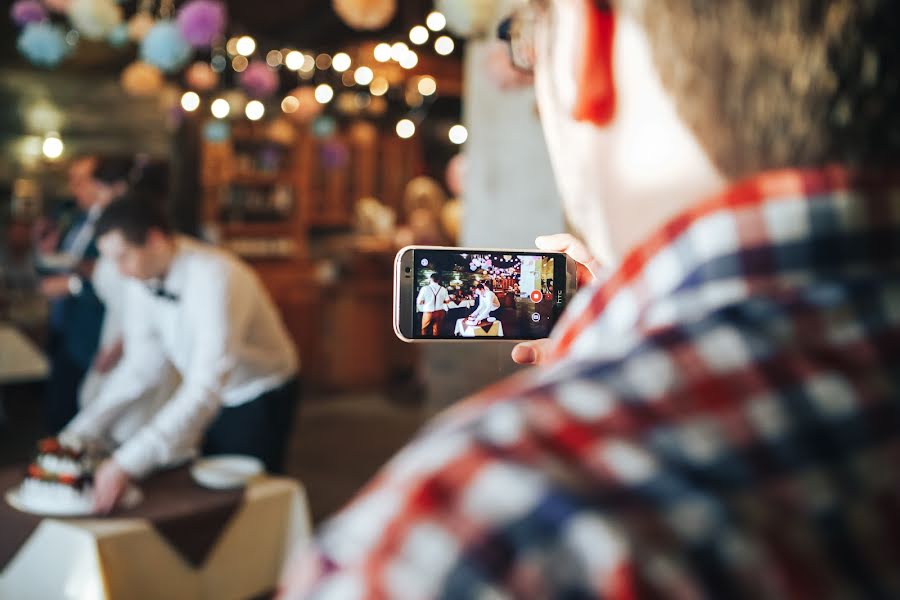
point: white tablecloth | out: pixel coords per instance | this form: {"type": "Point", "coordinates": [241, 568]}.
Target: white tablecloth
{"type": "Point", "coordinates": [464, 329]}
{"type": "Point", "coordinates": [20, 360]}
{"type": "Point", "coordinates": [75, 559]}
{"type": "Point", "coordinates": [463, 304]}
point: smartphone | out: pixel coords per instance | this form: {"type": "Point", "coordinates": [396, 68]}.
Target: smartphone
{"type": "Point", "coordinates": [479, 294]}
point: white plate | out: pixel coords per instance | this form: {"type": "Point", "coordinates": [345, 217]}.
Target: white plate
{"type": "Point", "coordinates": [226, 471]}
{"type": "Point", "coordinates": [130, 499]}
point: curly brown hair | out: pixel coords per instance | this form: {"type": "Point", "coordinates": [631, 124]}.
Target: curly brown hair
{"type": "Point", "coordinates": [767, 84]}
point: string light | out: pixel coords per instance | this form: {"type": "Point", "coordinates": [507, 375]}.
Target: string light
{"type": "Point", "coordinates": [220, 108]}
{"type": "Point", "coordinates": [409, 60]}
{"type": "Point", "coordinates": [458, 134]}
{"type": "Point", "coordinates": [231, 46]}
{"type": "Point", "coordinates": [418, 35]}
{"type": "Point", "coordinates": [382, 52]}
{"type": "Point", "coordinates": [341, 62]}
{"type": "Point", "coordinates": [245, 45]}
{"type": "Point", "coordinates": [309, 64]}
{"type": "Point", "coordinates": [290, 104]}
{"type": "Point", "coordinates": [239, 63]}
{"type": "Point", "coordinates": [324, 93]}
{"type": "Point", "coordinates": [190, 101]}
{"type": "Point", "coordinates": [379, 86]}
{"type": "Point", "coordinates": [323, 61]}
{"type": "Point", "coordinates": [274, 58]}
{"type": "Point", "coordinates": [427, 86]}
{"type": "Point", "coordinates": [436, 21]}
{"type": "Point", "coordinates": [52, 147]}
{"type": "Point", "coordinates": [406, 128]}
{"type": "Point", "coordinates": [255, 110]}
{"type": "Point", "coordinates": [398, 51]}
{"type": "Point", "coordinates": [364, 76]}
{"type": "Point", "coordinates": [444, 45]}
{"type": "Point", "coordinates": [347, 79]}
{"type": "Point", "coordinates": [294, 60]}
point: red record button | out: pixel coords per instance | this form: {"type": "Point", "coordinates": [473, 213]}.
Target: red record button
{"type": "Point", "coordinates": [536, 296]}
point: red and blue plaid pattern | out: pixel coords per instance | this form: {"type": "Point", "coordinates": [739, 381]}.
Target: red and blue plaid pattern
{"type": "Point", "coordinates": [722, 420]}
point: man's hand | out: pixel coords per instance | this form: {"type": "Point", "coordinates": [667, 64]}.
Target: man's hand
{"type": "Point", "coordinates": [535, 352]}
{"type": "Point", "coordinates": [109, 356]}
{"type": "Point", "coordinates": [110, 482]}
{"type": "Point", "coordinates": [55, 286]}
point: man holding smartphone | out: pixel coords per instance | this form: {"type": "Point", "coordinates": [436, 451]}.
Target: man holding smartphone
{"type": "Point", "coordinates": [717, 415]}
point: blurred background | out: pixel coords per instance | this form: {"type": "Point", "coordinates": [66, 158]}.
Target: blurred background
{"type": "Point", "coordinates": [313, 138]}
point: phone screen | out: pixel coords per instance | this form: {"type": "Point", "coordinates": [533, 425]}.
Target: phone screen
{"type": "Point", "coordinates": [468, 295]}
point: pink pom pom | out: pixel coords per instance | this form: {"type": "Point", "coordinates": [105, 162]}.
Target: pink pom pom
{"type": "Point", "coordinates": [24, 12]}
{"type": "Point", "coordinates": [259, 80]}
{"type": "Point", "coordinates": [201, 22]}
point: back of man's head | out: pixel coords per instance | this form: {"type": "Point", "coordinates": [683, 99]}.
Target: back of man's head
{"type": "Point", "coordinates": [769, 84]}
{"type": "Point", "coordinates": [134, 216]}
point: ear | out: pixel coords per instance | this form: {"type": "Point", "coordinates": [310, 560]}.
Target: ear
{"type": "Point", "coordinates": [596, 100]}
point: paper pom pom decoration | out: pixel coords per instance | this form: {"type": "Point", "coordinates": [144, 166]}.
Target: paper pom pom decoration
{"type": "Point", "coordinates": [58, 6]}
{"type": "Point", "coordinates": [467, 18]}
{"type": "Point", "coordinates": [164, 47]}
{"type": "Point", "coordinates": [95, 19]}
{"type": "Point", "coordinates": [365, 14]}
{"type": "Point", "coordinates": [259, 80]}
{"type": "Point", "coordinates": [43, 44]}
{"type": "Point", "coordinates": [141, 79]}
{"type": "Point", "coordinates": [140, 25]}
{"type": "Point", "coordinates": [24, 12]}
{"type": "Point", "coordinates": [308, 108]}
{"type": "Point", "coordinates": [501, 71]}
{"type": "Point", "coordinates": [201, 22]}
{"type": "Point", "coordinates": [201, 77]}
{"type": "Point", "coordinates": [324, 127]}
{"type": "Point", "coordinates": [118, 37]}
{"type": "Point", "coordinates": [216, 131]}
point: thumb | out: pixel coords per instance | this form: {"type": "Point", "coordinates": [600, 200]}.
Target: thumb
{"type": "Point", "coordinates": [531, 353]}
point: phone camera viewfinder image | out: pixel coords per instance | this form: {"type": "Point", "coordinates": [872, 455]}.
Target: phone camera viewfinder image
{"type": "Point", "coordinates": [487, 294]}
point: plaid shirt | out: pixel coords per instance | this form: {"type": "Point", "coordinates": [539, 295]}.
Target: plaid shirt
{"type": "Point", "coordinates": [722, 420]}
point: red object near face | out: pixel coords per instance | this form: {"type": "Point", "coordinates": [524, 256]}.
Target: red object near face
{"type": "Point", "coordinates": [596, 102]}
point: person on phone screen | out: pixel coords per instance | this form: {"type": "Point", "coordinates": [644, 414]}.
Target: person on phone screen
{"type": "Point", "coordinates": [432, 302]}
{"type": "Point", "coordinates": [717, 415]}
{"type": "Point", "coordinates": [487, 303]}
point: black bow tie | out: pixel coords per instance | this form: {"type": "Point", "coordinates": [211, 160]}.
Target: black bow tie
{"type": "Point", "coordinates": [161, 292]}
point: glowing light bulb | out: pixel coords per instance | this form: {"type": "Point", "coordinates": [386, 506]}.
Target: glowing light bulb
{"type": "Point", "coordinates": [409, 60]}
{"type": "Point", "coordinates": [364, 76]}
{"type": "Point", "coordinates": [436, 21]}
{"type": "Point", "coordinates": [341, 62]}
{"type": "Point", "coordinates": [324, 93]}
{"type": "Point", "coordinates": [220, 108]}
{"type": "Point", "coordinates": [379, 86]}
{"type": "Point", "coordinates": [290, 104]}
{"type": "Point", "coordinates": [444, 45]}
{"type": "Point", "coordinates": [52, 147]}
{"type": "Point", "coordinates": [427, 86]}
{"type": "Point", "coordinates": [190, 101]}
{"type": "Point", "coordinates": [398, 51]}
{"type": "Point", "coordinates": [294, 60]}
{"type": "Point", "coordinates": [382, 52]}
{"type": "Point", "coordinates": [406, 128]}
{"type": "Point", "coordinates": [255, 110]}
{"type": "Point", "coordinates": [458, 134]}
{"type": "Point", "coordinates": [245, 45]}
{"type": "Point", "coordinates": [418, 35]}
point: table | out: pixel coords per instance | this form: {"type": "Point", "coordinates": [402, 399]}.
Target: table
{"type": "Point", "coordinates": [482, 329]}
{"type": "Point", "coordinates": [128, 558]}
{"type": "Point", "coordinates": [463, 304]}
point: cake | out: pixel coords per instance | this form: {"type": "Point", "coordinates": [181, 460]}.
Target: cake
{"type": "Point", "coordinates": [59, 479]}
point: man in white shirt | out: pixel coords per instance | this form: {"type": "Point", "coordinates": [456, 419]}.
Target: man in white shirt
{"type": "Point", "coordinates": [487, 303]}
{"type": "Point", "coordinates": [432, 302]}
{"type": "Point", "coordinates": [204, 312]}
